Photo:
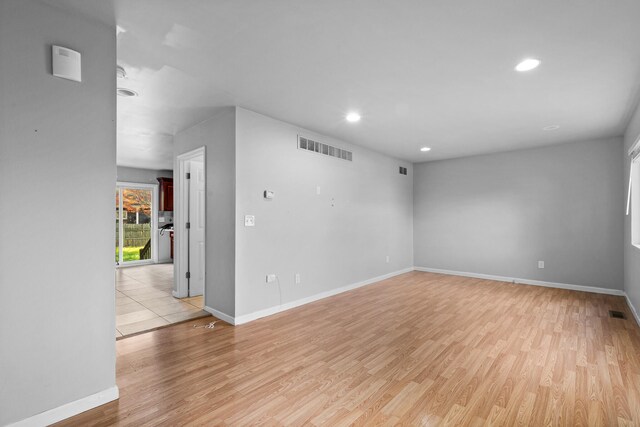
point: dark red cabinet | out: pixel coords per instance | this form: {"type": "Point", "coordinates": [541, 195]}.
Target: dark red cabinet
{"type": "Point", "coordinates": [166, 194]}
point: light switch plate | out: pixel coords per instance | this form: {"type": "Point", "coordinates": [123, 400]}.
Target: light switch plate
{"type": "Point", "coordinates": [249, 221]}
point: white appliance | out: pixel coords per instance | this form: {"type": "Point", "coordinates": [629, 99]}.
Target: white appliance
{"type": "Point", "coordinates": [164, 246]}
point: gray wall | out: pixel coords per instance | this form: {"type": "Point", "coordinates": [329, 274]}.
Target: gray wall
{"type": "Point", "coordinates": [337, 238]}
{"type": "Point", "coordinates": [57, 157]}
{"type": "Point", "coordinates": [146, 176]}
{"type": "Point", "coordinates": [499, 214]}
{"type": "Point", "coordinates": [631, 253]}
{"type": "Point", "coordinates": [218, 136]}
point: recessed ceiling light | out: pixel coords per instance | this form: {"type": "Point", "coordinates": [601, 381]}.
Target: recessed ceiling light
{"type": "Point", "coordinates": [120, 72]}
{"type": "Point", "coordinates": [551, 127]}
{"type": "Point", "coordinates": [425, 149]}
{"type": "Point", "coordinates": [353, 117]}
{"type": "Point", "coordinates": [528, 64]}
{"type": "Point", "coordinates": [126, 92]}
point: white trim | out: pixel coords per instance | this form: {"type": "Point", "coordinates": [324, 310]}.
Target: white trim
{"type": "Point", "coordinates": [154, 222]}
{"type": "Point", "coordinates": [632, 308]}
{"type": "Point", "coordinates": [524, 281]}
{"type": "Point", "coordinates": [130, 184]}
{"type": "Point", "coordinates": [120, 227]}
{"type": "Point", "coordinates": [246, 318]}
{"type": "Point", "coordinates": [635, 146]}
{"type": "Point", "coordinates": [633, 200]}
{"type": "Point", "coordinates": [220, 315]}
{"type": "Point", "coordinates": [631, 170]}
{"type": "Point", "coordinates": [135, 263]}
{"type": "Point", "coordinates": [70, 409]}
{"type": "Point", "coordinates": [180, 204]}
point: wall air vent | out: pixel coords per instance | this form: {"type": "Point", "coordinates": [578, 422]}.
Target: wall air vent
{"type": "Point", "coordinates": [320, 148]}
{"type": "Point", "coordinates": [403, 170]}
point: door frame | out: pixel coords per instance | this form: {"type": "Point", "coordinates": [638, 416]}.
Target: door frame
{"type": "Point", "coordinates": [154, 222]}
{"type": "Point", "coordinates": [180, 206]}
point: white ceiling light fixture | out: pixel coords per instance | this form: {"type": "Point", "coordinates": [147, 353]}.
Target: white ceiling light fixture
{"type": "Point", "coordinates": [528, 64]}
{"type": "Point", "coordinates": [126, 92]}
{"type": "Point", "coordinates": [353, 117]}
{"type": "Point", "coordinates": [551, 127]}
{"type": "Point", "coordinates": [425, 149]}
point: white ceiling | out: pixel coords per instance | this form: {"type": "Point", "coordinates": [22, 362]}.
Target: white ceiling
{"type": "Point", "coordinates": [421, 73]}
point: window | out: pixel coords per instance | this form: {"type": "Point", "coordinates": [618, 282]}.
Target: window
{"type": "Point", "coordinates": [633, 197]}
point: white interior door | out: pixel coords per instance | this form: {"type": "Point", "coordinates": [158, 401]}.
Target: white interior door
{"type": "Point", "coordinates": [197, 227]}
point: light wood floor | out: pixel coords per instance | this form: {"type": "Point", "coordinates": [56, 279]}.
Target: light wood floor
{"type": "Point", "coordinates": [418, 349]}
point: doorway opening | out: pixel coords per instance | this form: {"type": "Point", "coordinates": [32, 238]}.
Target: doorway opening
{"type": "Point", "coordinates": [144, 256]}
{"type": "Point", "coordinates": [135, 223]}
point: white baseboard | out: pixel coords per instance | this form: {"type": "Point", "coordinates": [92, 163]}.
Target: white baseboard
{"type": "Point", "coordinates": [632, 308]}
{"type": "Point", "coordinates": [246, 318]}
{"type": "Point", "coordinates": [70, 409]}
{"type": "Point", "coordinates": [220, 315]}
{"type": "Point", "coordinates": [525, 281]}
{"type": "Point", "coordinates": [176, 294]}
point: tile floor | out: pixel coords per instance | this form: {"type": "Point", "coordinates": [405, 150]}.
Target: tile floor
{"type": "Point", "coordinates": [144, 300]}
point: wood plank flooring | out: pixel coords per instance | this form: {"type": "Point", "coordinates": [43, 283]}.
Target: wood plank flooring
{"type": "Point", "coordinates": [417, 349]}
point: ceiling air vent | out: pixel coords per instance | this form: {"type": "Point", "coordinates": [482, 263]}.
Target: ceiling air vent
{"type": "Point", "coordinates": [403, 170]}
{"type": "Point", "coordinates": [320, 148]}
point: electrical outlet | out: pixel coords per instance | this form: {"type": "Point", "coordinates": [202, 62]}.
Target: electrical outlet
{"type": "Point", "coordinates": [318, 190]}
{"type": "Point", "coordinates": [297, 278]}
{"type": "Point", "coordinates": [387, 258]}
{"type": "Point", "coordinates": [249, 221]}
{"type": "Point", "coordinates": [540, 264]}
{"type": "Point", "coordinates": [271, 278]}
